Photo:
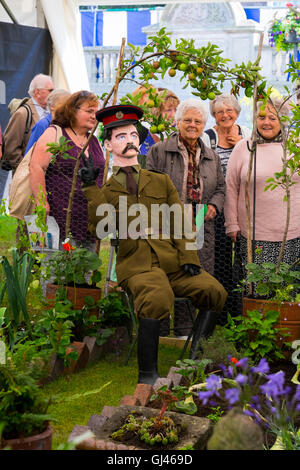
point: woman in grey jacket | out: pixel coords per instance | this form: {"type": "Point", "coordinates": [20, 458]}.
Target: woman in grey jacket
{"type": "Point", "coordinates": [194, 169]}
{"type": "Point", "coordinates": [173, 156]}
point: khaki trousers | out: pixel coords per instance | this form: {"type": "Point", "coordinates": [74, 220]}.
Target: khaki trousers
{"type": "Point", "coordinates": [154, 291]}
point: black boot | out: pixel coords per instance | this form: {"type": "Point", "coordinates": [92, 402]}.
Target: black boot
{"type": "Point", "coordinates": [204, 326]}
{"type": "Point", "coordinates": [148, 338]}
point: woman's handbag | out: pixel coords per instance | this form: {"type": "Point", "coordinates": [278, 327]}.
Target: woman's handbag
{"type": "Point", "coordinates": [21, 200]}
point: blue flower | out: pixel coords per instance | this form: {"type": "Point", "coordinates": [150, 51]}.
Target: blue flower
{"type": "Point", "coordinates": [205, 396]}
{"type": "Point", "coordinates": [241, 379]}
{"type": "Point", "coordinates": [213, 384]}
{"type": "Point", "coordinates": [274, 386]}
{"type": "Point", "coordinates": [262, 367]}
{"type": "Point", "coordinates": [232, 395]}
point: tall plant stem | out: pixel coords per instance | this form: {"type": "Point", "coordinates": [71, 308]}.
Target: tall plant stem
{"type": "Point", "coordinates": [115, 91]}
{"type": "Point", "coordinates": [253, 141]}
{"type": "Point", "coordinates": [288, 196]}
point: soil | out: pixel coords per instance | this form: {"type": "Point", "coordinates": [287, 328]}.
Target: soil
{"type": "Point", "coordinates": [205, 410]}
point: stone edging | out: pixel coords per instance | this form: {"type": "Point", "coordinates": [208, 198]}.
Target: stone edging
{"type": "Point", "coordinates": [140, 397]}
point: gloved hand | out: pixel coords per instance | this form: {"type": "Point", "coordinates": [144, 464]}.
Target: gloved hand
{"type": "Point", "coordinates": [191, 269]}
{"type": "Point", "coordinates": [88, 174]}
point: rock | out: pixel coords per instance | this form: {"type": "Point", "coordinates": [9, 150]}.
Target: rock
{"type": "Point", "coordinates": [160, 382]}
{"type": "Point", "coordinates": [78, 431]}
{"type": "Point", "coordinates": [95, 351]}
{"type": "Point", "coordinates": [129, 400]}
{"type": "Point", "coordinates": [197, 430]}
{"type": "Point", "coordinates": [174, 377]}
{"type": "Point", "coordinates": [143, 392]}
{"type": "Point", "coordinates": [236, 431]}
{"type": "Point", "coordinates": [83, 357]}
{"type": "Point", "coordinates": [56, 368]}
{"type": "Point", "coordinates": [96, 421]}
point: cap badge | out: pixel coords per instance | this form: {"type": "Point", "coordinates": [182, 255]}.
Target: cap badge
{"type": "Point", "coordinates": [119, 115]}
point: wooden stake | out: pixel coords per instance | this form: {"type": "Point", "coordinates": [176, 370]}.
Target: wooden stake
{"type": "Point", "coordinates": [253, 141]}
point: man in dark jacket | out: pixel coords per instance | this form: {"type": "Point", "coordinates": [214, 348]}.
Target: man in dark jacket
{"type": "Point", "coordinates": [154, 266]}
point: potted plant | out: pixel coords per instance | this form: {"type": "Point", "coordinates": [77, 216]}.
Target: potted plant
{"type": "Point", "coordinates": [74, 274]}
{"type": "Point", "coordinates": [285, 32]}
{"type": "Point", "coordinates": [276, 290]}
{"type": "Point", "coordinates": [23, 411]}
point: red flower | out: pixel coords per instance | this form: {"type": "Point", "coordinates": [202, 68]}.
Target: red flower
{"type": "Point", "coordinates": [234, 360]}
{"type": "Point", "coordinates": [289, 5]}
{"type": "Point", "coordinates": [67, 246]}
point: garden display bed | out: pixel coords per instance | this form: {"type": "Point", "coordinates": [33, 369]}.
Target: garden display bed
{"type": "Point", "coordinates": [111, 417]}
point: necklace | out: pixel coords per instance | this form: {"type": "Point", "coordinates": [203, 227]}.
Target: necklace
{"type": "Point", "coordinates": [81, 144]}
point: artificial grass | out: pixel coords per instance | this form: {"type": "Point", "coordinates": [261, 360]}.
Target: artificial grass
{"type": "Point", "coordinates": [78, 396]}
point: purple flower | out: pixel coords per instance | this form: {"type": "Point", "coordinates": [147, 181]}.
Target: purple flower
{"type": "Point", "coordinates": [241, 379]}
{"type": "Point", "coordinates": [213, 384]}
{"type": "Point", "coordinates": [274, 386]}
{"type": "Point", "coordinates": [229, 371]}
{"type": "Point", "coordinates": [297, 393]}
{"type": "Point", "coordinates": [243, 363]}
{"type": "Point", "coordinates": [205, 396]}
{"type": "Point", "coordinates": [262, 367]}
{"type": "Point", "coordinates": [232, 395]}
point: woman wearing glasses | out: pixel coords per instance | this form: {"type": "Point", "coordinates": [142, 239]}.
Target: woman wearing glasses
{"type": "Point", "coordinates": [223, 137]}
{"type": "Point", "coordinates": [195, 171]}
{"type": "Point", "coordinates": [53, 176]}
{"type": "Point", "coordinates": [226, 133]}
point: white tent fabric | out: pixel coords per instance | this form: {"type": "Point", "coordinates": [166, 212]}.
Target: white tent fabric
{"type": "Point", "coordinates": [69, 68]}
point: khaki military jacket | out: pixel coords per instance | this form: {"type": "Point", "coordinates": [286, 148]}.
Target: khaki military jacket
{"type": "Point", "coordinates": [134, 256]}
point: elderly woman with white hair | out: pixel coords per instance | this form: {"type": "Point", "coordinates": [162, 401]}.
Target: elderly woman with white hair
{"type": "Point", "coordinates": [194, 169]}
{"type": "Point", "coordinates": [270, 212]}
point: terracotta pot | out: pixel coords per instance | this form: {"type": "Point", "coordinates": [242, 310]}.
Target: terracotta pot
{"type": "Point", "coordinates": [75, 294]}
{"type": "Point", "coordinates": [42, 441]}
{"type": "Point", "coordinates": [289, 315]}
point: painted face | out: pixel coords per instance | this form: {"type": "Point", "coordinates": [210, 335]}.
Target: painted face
{"type": "Point", "coordinates": [86, 115]}
{"type": "Point", "coordinates": [225, 116]}
{"type": "Point", "coordinates": [268, 126]}
{"type": "Point", "coordinates": [191, 125]}
{"type": "Point", "coordinates": [124, 141]}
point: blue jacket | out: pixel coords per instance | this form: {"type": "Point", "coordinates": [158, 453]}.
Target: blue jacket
{"type": "Point", "coordinates": [37, 130]}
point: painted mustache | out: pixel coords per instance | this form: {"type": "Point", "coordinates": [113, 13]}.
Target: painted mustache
{"type": "Point", "coordinates": [129, 146]}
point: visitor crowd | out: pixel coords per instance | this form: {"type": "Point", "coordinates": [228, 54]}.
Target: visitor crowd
{"type": "Point", "coordinates": [206, 165]}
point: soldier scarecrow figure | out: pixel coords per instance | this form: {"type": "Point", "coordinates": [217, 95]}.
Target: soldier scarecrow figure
{"type": "Point", "coordinates": [152, 265]}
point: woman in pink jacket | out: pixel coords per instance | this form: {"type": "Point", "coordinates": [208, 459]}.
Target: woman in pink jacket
{"type": "Point", "coordinates": [270, 207]}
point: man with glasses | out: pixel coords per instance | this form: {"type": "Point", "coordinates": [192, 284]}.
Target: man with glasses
{"type": "Point", "coordinates": [15, 135]}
